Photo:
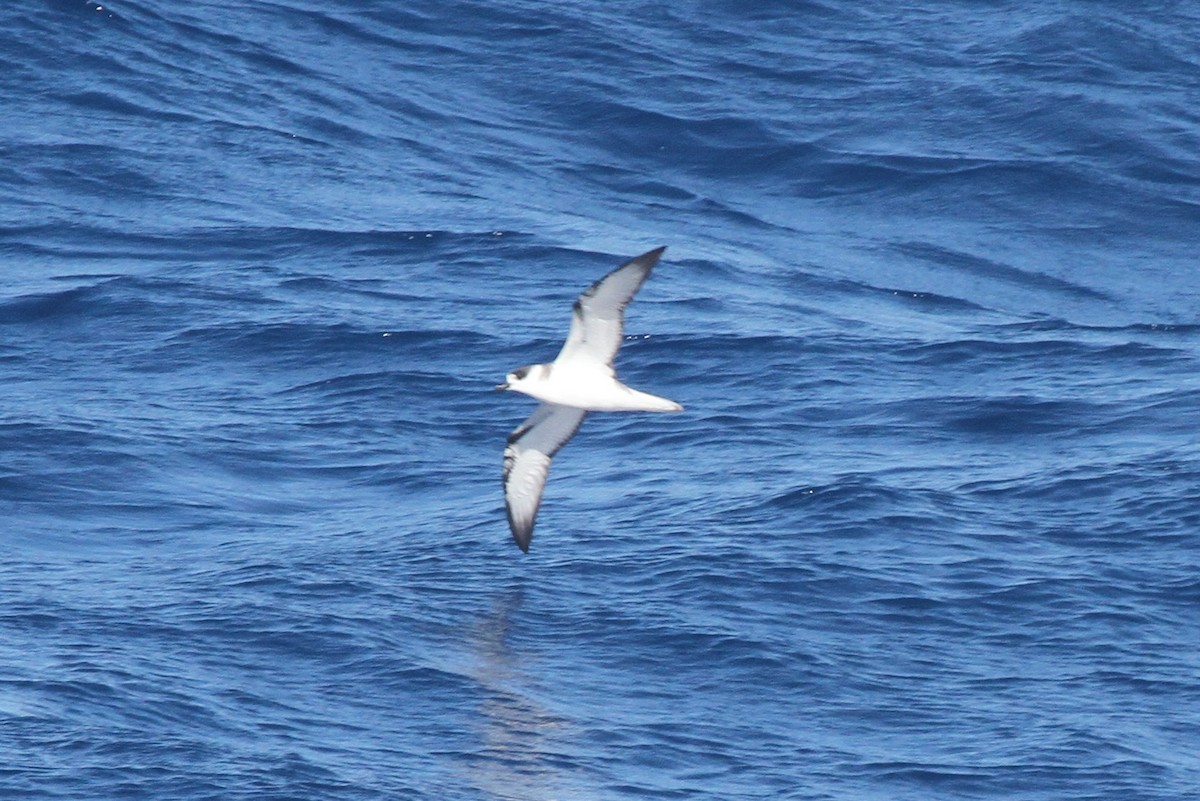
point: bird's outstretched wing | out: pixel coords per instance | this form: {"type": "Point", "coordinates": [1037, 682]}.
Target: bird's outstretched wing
{"type": "Point", "coordinates": [527, 457]}
{"type": "Point", "coordinates": [599, 319]}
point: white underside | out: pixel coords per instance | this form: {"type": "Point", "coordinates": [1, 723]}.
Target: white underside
{"type": "Point", "coordinates": [595, 390]}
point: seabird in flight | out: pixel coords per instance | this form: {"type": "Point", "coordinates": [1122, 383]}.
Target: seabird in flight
{"type": "Point", "coordinates": [580, 380]}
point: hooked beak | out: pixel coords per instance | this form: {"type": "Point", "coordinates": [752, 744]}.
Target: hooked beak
{"type": "Point", "coordinates": [501, 387]}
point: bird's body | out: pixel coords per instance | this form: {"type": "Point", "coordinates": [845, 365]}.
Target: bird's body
{"type": "Point", "coordinates": [579, 381]}
{"type": "Point", "coordinates": [589, 387]}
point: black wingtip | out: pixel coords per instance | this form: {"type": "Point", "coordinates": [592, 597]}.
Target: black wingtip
{"type": "Point", "coordinates": [645, 262]}
{"type": "Point", "coordinates": [521, 536]}
{"type": "Point", "coordinates": [523, 542]}
{"type": "Point", "coordinates": [651, 255]}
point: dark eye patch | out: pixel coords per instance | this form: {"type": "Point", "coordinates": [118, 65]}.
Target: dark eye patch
{"type": "Point", "coordinates": [521, 372]}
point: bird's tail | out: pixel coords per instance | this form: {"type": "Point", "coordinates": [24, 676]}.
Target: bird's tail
{"type": "Point", "coordinates": [645, 402]}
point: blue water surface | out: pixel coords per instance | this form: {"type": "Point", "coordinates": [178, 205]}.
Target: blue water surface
{"type": "Point", "coordinates": [928, 529]}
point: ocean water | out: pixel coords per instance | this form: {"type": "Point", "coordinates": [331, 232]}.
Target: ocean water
{"type": "Point", "coordinates": [929, 527]}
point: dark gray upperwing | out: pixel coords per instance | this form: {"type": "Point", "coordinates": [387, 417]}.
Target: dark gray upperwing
{"type": "Point", "coordinates": [527, 457]}
{"type": "Point", "coordinates": [598, 323]}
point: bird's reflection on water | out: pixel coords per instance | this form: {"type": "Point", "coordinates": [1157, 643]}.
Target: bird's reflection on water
{"type": "Point", "coordinates": [524, 748]}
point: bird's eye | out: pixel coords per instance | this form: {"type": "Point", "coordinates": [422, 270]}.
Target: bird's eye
{"type": "Point", "coordinates": [521, 372]}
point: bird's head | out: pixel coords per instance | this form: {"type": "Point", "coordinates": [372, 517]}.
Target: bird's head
{"type": "Point", "coordinates": [520, 379]}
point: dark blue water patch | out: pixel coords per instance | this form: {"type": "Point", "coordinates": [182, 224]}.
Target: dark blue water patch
{"type": "Point", "coordinates": [716, 210]}
{"type": "Point", "coordinates": [930, 301]}
{"type": "Point", "coordinates": [83, 8]}
{"type": "Point", "coordinates": [940, 180]}
{"type": "Point", "coordinates": [1043, 323]}
{"type": "Point", "coordinates": [804, 291]}
{"type": "Point", "coordinates": [990, 269]}
{"type": "Point", "coordinates": [84, 168]}
{"type": "Point", "coordinates": [701, 365]}
{"type": "Point", "coordinates": [1107, 50]}
{"type": "Point", "coordinates": [49, 306]}
{"type": "Point", "coordinates": [1071, 353]}
{"type": "Point", "coordinates": [245, 630]}
{"type": "Point", "coordinates": [453, 248]}
{"type": "Point", "coordinates": [131, 301]}
{"type": "Point", "coordinates": [297, 344]}
{"type": "Point", "coordinates": [654, 189]}
{"type": "Point", "coordinates": [109, 103]}
{"type": "Point", "coordinates": [34, 450]}
{"type": "Point", "coordinates": [1013, 417]}
{"type": "Point", "coordinates": [858, 493]}
{"type": "Point", "coordinates": [356, 386]}
{"type": "Point", "coordinates": [80, 241]}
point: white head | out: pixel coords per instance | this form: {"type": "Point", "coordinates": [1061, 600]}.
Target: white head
{"type": "Point", "coordinates": [522, 378]}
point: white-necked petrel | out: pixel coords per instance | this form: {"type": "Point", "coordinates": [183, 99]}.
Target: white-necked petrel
{"type": "Point", "coordinates": [580, 380]}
